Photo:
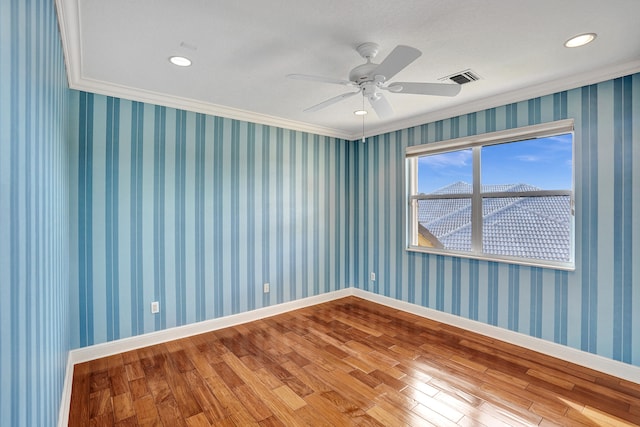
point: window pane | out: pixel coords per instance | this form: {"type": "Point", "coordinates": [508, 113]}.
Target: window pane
{"type": "Point", "coordinates": [445, 224]}
{"type": "Point", "coordinates": [445, 173]}
{"type": "Point", "coordinates": [527, 227]}
{"type": "Point", "coordinates": [534, 225]}
{"type": "Point", "coordinates": [535, 164]}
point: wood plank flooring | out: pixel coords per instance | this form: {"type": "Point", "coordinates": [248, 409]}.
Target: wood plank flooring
{"type": "Point", "coordinates": [346, 362]}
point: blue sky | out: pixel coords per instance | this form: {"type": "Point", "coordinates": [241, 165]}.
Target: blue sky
{"type": "Point", "coordinates": [544, 162]}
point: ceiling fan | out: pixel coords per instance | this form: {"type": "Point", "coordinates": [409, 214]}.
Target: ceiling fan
{"type": "Point", "coordinates": [371, 79]}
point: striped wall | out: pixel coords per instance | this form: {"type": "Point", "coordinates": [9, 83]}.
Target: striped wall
{"type": "Point", "coordinates": [596, 308]}
{"type": "Point", "coordinates": [197, 212]}
{"type": "Point", "coordinates": [34, 272]}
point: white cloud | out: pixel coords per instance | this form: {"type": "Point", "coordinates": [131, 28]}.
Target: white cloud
{"type": "Point", "coordinates": [528, 158]}
{"type": "Point", "coordinates": [453, 159]}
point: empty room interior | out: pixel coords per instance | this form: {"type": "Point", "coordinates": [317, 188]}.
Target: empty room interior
{"type": "Point", "coordinates": [319, 213]}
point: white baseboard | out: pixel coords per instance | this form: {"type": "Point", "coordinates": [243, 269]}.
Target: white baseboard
{"type": "Point", "coordinates": [126, 344]}
{"type": "Point", "coordinates": [593, 361]}
{"type": "Point", "coordinates": [589, 360]}
{"type": "Point", "coordinates": [65, 399]}
{"type": "Point", "coordinates": [97, 351]}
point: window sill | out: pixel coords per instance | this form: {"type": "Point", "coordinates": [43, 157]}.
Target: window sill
{"type": "Point", "coordinates": [555, 265]}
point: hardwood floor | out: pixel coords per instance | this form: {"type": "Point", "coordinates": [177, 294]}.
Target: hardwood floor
{"type": "Point", "coordinates": [346, 362]}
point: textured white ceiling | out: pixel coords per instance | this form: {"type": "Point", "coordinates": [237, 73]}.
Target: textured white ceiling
{"type": "Point", "coordinates": [242, 50]}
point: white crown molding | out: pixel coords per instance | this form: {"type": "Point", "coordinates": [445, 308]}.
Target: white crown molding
{"type": "Point", "coordinates": [124, 92]}
{"type": "Point", "coordinates": [69, 24]}
{"type": "Point", "coordinates": [69, 27]}
{"type": "Point", "coordinates": [518, 95]}
{"type": "Point", "coordinates": [150, 97]}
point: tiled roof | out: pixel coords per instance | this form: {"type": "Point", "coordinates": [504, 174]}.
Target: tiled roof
{"type": "Point", "coordinates": [527, 227]}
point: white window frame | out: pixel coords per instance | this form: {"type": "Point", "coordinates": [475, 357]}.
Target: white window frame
{"type": "Point", "coordinates": [476, 142]}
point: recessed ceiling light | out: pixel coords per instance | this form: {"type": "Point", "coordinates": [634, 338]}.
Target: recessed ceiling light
{"type": "Point", "coordinates": [360, 112]}
{"type": "Point", "coordinates": [580, 40]}
{"type": "Point", "coordinates": [180, 61]}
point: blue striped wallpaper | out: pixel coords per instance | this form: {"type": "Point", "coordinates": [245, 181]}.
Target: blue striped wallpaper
{"type": "Point", "coordinates": [34, 234]}
{"type": "Point", "coordinates": [597, 307]}
{"type": "Point", "coordinates": [197, 212]}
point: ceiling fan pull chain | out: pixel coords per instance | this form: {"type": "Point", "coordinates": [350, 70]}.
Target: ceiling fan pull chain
{"type": "Point", "coordinates": [363, 139]}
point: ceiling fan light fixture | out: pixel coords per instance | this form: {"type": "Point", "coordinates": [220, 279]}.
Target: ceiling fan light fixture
{"type": "Point", "coordinates": [180, 61]}
{"type": "Point", "coordinates": [369, 80]}
{"type": "Point", "coordinates": [580, 40]}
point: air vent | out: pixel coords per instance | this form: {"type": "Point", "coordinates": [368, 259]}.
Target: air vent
{"type": "Point", "coordinates": [463, 77]}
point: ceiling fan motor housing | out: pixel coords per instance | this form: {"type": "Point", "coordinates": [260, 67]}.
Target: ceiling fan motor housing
{"type": "Point", "coordinates": [362, 73]}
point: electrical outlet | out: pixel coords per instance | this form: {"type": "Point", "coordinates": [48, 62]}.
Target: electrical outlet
{"type": "Point", "coordinates": [265, 288]}
{"type": "Point", "coordinates": [155, 307]}
{"type": "Point", "coordinates": [372, 276]}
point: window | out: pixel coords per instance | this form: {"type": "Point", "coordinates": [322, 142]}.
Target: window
{"type": "Point", "coordinates": [505, 196]}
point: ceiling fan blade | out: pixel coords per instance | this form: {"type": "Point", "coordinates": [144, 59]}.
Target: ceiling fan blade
{"type": "Point", "coordinates": [330, 101]}
{"type": "Point", "coordinates": [381, 106]}
{"type": "Point", "coordinates": [437, 89]}
{"type": "Point", "coordinates": [319, 79]}
{"type": "Point", "coordinates": [396, 61]}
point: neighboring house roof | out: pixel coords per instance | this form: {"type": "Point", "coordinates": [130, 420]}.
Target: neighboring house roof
{"type": "Point", "coordinates": [527, 227]}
